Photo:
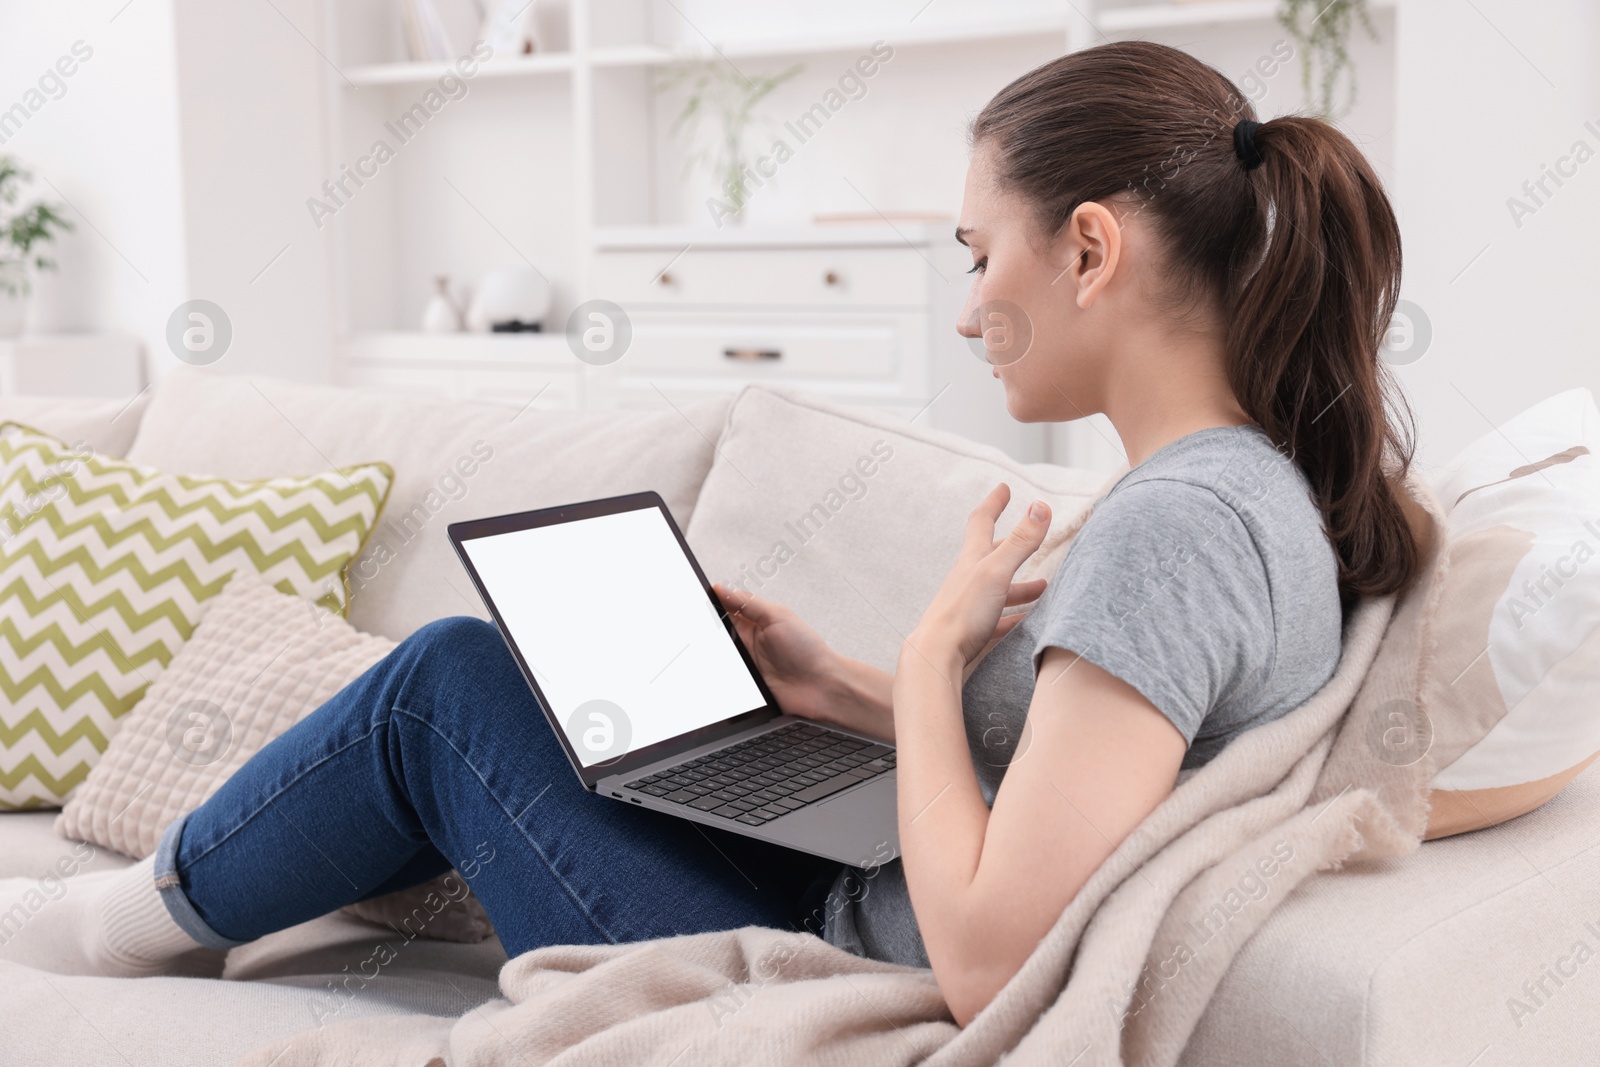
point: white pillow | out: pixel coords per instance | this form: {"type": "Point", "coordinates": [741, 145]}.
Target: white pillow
{"type": "Point", "coordinates": [1514, 680]}
{"type": "Point", "coordinates": [258, 662]}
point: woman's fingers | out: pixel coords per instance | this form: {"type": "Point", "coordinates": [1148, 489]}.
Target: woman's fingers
{"type": "Point", "coordinates": [980, 523]}
{"type": "Point", "coordinates": [1023, 592]}
{"type": "Point", "coordinates": [741, 603]}
{"type": "Point", "coordinates": [732, 599]}
{"type": "Point", "coordinates": [743, 624]}
{"type": "Point", "coordinates": [1008, 623]}
{"type": "Point", "coordinates": [1025, 537]}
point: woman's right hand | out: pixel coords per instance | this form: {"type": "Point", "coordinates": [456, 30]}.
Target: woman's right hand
{"type": "Point", "coordinates": [808, 678]}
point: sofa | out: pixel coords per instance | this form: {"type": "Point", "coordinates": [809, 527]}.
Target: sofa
{"type": "Point", "coordinates": [1473, 950]}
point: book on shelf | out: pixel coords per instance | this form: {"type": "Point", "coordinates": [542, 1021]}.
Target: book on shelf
{"type": "Point", "coordinates": [426, 35]}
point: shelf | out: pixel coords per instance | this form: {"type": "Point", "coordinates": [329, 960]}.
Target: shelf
{"type": "Point", "coordinates": [822, 44]}
{"type": "Point", "coordinates": [419, 73]}
{"type": "Point", "coordinates": [1131, 18]}
{"type": "Point", "coordinates": [1195, 12]}
{"type": "Point", "coordinates": [677, 238]}
{"type": "Point", "coordinates": [517, 349]}
{"type": "Point", "coordinates": [640, 55]}
{"type": "Point", "coordinates": [1135, 17]}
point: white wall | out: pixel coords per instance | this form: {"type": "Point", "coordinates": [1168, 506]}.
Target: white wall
{"type": "Point", "coordinates": [185, 147]}
{"type": "Point", "coordinates": [1484, 100]}
{"type": "Point", "coordinates": [252, 85]}
{"type": "Point", "coordinates": [109, 147]}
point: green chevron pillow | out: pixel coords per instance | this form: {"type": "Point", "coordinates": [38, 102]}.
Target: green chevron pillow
{"type": "Point", "coordinates": [103, 567]}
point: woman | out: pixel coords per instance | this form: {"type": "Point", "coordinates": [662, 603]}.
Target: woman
{"type": "Point", "coordinates": [1218, 289]}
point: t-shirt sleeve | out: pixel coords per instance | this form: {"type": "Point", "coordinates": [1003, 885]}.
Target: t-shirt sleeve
{"type": "Point", "coordinates": [1165, 589]}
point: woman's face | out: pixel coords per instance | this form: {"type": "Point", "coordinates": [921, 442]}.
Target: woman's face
{"type": "Point", "coordinates": [1040, 304]}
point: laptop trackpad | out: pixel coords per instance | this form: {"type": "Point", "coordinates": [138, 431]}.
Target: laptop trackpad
{"type": "Point", "coordinates": [856, 827]}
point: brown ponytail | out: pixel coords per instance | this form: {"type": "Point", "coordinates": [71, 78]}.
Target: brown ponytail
{"type": "Point", "coordinates": [1301, 254]}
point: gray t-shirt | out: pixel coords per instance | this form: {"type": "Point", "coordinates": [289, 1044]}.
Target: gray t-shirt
{"type": "Point", "coordinates": [1204, 579]}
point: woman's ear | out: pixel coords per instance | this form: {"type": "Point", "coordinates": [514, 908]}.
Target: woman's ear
{"type": "Point", "coordinates": [1087, 250]}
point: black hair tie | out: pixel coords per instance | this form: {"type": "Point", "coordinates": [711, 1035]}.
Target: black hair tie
{"type": "Point", "coordinates": [1244, 143]}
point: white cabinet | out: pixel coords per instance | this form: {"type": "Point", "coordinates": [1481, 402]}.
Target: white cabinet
{"type": "Point", "coordinates": [753, 276]}
{"type": "Point", "coordinates": [72, 365]}
{"type": "Point", "coordinates": [518, 370]}
{"type": "Point", "coordinates": [794, 347]}
{"type": "Point", "coordinates": [863, 315]}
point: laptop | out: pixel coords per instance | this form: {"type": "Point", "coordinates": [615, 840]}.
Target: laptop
{"type": "Point", "coordinates": [654, 698]}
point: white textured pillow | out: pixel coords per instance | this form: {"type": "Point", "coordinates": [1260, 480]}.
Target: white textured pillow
{"type": "Point", "coordinates": [853, 519]}
{"type": "Point", "coordinates": [259, 661]}
{"type": "Point", "coordinates": [1515, 639]}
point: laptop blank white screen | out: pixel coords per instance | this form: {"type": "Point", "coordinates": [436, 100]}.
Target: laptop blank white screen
{"type": "Point", "coordinates": [609, 609]}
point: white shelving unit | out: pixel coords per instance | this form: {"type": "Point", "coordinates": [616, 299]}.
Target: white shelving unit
{"type": "Point", "coordinates": [412, 73]}
{"type": "Point", "coordinates": [565, 160]}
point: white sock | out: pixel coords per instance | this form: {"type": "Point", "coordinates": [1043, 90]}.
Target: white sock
{"type": "Point", "coordinates": [133, 929]}
{"type": "Point", "coordinates": [111, 923]}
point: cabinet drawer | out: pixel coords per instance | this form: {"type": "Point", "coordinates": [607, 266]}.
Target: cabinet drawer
{"type": "Point", "coordinates": [757, 348]}
{"type": "Point", "coordinates": [765, 277]}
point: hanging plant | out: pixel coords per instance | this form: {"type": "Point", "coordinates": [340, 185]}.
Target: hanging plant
{"type": "Point", "coordinates": [1321, 30]}
{"type": "Point", "coordinates": [715, 88]}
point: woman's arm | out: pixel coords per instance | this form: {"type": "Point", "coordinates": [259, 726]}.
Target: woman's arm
{"type": "Point", "coordinates": [807, 677]}
{"type": "Point", "coordinates": [986, 884]}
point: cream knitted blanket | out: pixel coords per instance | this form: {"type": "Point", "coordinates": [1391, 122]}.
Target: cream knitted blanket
{"type": "Point", "coordinates": [1122, 978]}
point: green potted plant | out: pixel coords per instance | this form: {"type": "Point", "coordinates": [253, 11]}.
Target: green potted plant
{"type": "Point", "coordinates": [25, 230]}
{"type": "Point", "coordinates": [714, 87]}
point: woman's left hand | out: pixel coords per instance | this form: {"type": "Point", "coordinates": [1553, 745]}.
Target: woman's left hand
{"type": "Point", "coordinates": [965, 618]}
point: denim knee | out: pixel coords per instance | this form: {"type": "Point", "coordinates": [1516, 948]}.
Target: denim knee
{"type": "Point", "coordinates": [458, 638]}
{"type": "Point", "coordinates": [455, 653]}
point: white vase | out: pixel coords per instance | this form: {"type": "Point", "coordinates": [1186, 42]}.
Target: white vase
{"type": "Point", "coordinates": [13, 315]}
{"type": "Point", "coordinates": [442, 315]}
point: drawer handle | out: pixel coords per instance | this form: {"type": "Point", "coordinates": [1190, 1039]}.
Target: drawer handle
{"type": "Point", "coordinates": [832, 278]}
{"type": "Point", "coordinates": [665, 279]}
{"type": "Point", "coordinates": [752, 354]}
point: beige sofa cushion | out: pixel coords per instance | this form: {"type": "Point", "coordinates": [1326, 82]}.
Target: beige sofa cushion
{"type": "Point", "coordinates": [854, 519]}
{"type": "Point", "coordinates": [452, 461]}
{"type": "Point", "coordinates": [314, 974]}
{"type": "Point", "coordinates": [107, 426]}
{"type": "Point", "coordinates": [31, 848]}
{"type": "Point", "coordinates": [1435, 958]}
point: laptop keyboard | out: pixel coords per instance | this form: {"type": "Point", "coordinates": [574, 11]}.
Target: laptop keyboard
{"type": "Point", "coordinates": [771, 774]}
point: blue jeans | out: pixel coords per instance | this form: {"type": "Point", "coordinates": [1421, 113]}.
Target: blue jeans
{"type": "Point", "coordinates": [438, 757]}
